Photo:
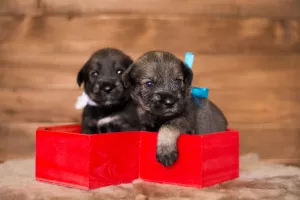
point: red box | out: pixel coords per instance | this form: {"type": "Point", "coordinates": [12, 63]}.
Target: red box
{"type": "Point", "coordinates": [66, 157]}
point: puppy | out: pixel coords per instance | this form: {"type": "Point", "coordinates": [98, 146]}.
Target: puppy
{"type": "Point", "coordinates": [160, 83]}
{"type": "Point", "coordinates": [110, 107]}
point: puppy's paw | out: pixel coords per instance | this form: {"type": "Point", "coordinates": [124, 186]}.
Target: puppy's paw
{"type": "Point", "coordinates": [166, 147]}
{"type": "Point", "coordinates": [166, 154]}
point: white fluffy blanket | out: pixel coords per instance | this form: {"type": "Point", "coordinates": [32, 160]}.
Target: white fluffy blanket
{"type": "Point", "coordinates": [257, 180]}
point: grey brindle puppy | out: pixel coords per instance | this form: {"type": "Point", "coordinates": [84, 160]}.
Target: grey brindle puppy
{"type": "Point", "coordinates": [160, 83]}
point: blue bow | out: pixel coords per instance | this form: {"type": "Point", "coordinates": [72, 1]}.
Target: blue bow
{"type": "Point", "coordinates": [197, 92]}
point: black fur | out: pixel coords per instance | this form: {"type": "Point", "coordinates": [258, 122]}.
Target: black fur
{"type": "Point", "coordinates": [160, 84]}
{"type": "Point", "coordinates": [101, 76]}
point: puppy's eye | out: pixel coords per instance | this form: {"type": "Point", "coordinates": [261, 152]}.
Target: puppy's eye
{"type": "Point", "coordinates": [179, 80]}
{"type": "Point", "coordinates": [120, 71]}
{"type": "Point", "coordinates": [149, 84]}
{"type": "Point", "coordinates": [94, 74]}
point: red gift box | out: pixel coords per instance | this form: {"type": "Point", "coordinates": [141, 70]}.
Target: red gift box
{"type": "Point", "coordinates": [66, 157]}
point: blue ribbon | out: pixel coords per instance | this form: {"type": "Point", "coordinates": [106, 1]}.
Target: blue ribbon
{"type": "Point", "coordinates": [197, 92]}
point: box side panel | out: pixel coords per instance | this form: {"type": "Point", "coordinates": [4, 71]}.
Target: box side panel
{"type": "Point", "coordinates": [114, 158]}
{"type": "Point", "coordinates": [62, 158]}
{"type": "Point", "coordinates": [186, 170]}
{"type": "Point", "coordinates": [220, 157]}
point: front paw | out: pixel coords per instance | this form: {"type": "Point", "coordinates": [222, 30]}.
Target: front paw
{"type": "Point", "coordinates": [166, 155]}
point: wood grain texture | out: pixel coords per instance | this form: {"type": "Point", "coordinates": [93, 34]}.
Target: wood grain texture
{"type": "Point", "coordinates": [139, 33]}
{"type": "Point", "coordinates": [280, 144]}
{"type": "Point", "coordinates": [18, 7]}
{"type": "Point", "coordinates": [59, 71]}
{"type": "Point", "coordinates": [244, 109]}
{"type": "Point", "coordinates": [17, 140]}
{"type": "Point", "coordinates": [267, 8]}
{"type": "Point", "coordinates": [262, 110]}
{"type": "Point", "coordinates": [39, 105]}
{"type": "Point", "coordinates": [38, 78]}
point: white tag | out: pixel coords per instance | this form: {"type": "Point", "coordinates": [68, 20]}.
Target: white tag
{"type": "Point", "coordinates": [84, 100]}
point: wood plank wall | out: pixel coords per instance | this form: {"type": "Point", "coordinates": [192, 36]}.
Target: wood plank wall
{"type": "Point", "coordinates": [247, 53]}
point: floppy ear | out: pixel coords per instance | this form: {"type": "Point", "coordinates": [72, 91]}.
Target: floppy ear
{"type": "Point", "coordinates": [188, 74]}
{"type": "Point", "coordinates": [81, 74]}
{"type": "Point", "coordinates": [126, 77]}
{"type": "Point", "coordinates": [127, 62]}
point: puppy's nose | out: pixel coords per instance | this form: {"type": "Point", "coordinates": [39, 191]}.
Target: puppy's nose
{"type": "Point", "coordinates": [168, 99]}
{"type": "Point", "coordinates": [107, 87]}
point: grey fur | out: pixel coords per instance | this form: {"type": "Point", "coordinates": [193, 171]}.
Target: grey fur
{"type": "Point", "coordinates": [167, 106]}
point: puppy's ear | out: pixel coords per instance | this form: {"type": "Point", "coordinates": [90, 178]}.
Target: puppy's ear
{"type": "Point", "coordinates": [81, 74]}
{"type": "Point", "coordinates": [188, 74]}
{"type": "Point", "coordinates": [128, 61]}
{"type": "Point", "coordinates": [126, 77]}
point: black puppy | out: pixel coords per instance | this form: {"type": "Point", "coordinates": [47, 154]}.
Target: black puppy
{"type": "Point", "coordinates": [110, 108]}
{"type": "Point", "coordinates": [160, 83]}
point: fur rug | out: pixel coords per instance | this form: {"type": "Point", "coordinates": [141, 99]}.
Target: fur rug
{"type": "Point", "coordinates": [257, 180]}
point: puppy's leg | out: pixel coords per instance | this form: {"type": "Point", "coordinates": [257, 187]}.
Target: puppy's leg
{"type": "Point", "coordinates": [89, 126]}
{"type": "Point", "coordinates": [168, 134]}
{"type": "Point", "coordinates": [166, 148]}
{"type": "Point", "coordinates": [109, 124]}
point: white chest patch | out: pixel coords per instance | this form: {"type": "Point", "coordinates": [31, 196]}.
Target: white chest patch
{"type": "Point", "coordinates": [107, 120]}
{"type": "Point", "coordinates": [84, 100]}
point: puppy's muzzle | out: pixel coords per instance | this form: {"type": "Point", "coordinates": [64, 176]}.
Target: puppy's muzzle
{"type": "Point", "coordinates": [167, 99]}
{"type": "Point", "coordinates": [106, 86]}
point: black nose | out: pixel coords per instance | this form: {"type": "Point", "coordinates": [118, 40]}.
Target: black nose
{"type": "Point", "coordinates": [107, 87]}
{"type": "Point", "coordinates": [168, 99]}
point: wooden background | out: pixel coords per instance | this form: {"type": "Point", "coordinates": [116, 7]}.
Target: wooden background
{"type": "Point", "coordinates": [247, 53]}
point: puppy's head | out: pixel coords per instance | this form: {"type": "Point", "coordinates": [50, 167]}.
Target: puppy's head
{"type": "Point", "coordinates": [159, 82]}
{"type": "Point", "coordinates": [101, 76]}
